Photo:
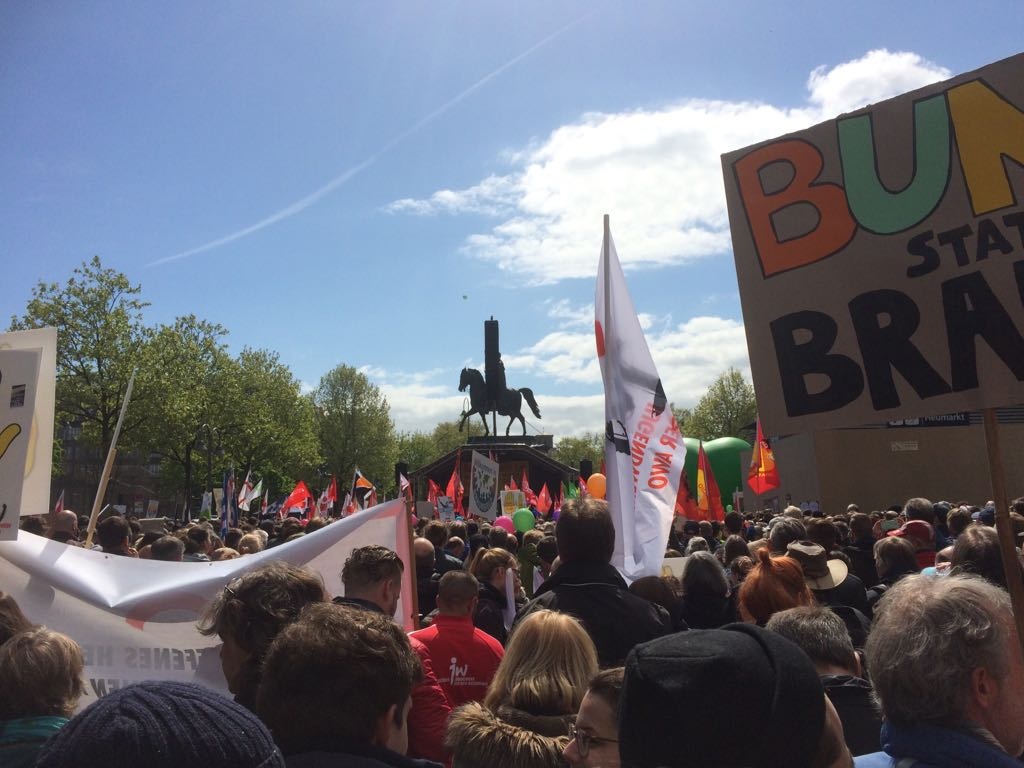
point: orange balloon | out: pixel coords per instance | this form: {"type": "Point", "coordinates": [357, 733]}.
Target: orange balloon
{"type": "Point", "coordinates": [597, 484]}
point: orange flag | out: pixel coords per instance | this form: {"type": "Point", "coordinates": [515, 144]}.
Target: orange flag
{"type": "Point", "coordinates": [763, 476]}
{"type": "Point", "coordinates": [709, 499]}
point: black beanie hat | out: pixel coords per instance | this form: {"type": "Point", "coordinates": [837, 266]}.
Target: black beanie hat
{"type": "Point", "coordinates": [162, 725]}
{"type": "Point", "coordinates": [684, 694]}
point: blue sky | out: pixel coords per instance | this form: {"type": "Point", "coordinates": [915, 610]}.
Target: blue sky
{"type": "Point", "coordinates": [410, 169]}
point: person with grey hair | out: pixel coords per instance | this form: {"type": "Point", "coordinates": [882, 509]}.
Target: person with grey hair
{"type": "Point", "coordinates": [708, 602]}
{"type": "Point", "coordinates": [697, 544]}
{"type": "Point", "coordinates": [783, 531]}
{"type": "Point", "coordinates": [948, 674]}
{"type": "Point", "coordinates": [823, 636]}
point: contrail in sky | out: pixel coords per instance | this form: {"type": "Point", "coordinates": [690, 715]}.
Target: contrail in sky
{"type": "Point", "coordinates": [300, 205]}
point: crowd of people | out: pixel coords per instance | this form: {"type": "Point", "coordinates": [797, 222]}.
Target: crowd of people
{"type": "Point", "coordinates": [792, 639]}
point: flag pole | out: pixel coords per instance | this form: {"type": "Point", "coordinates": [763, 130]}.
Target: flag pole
{"type": "Point", "coordinates": [612, 478]}
{"type": "Point", "coordinates": [1007, 545]}
{"type": "Point", "coordinates": [108, 465]}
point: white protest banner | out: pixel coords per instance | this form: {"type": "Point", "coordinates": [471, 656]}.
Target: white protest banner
{"type": "Point", "coordinates": [879, 257]}
{"type": "Point", "coordinates": [644, 452]}
{"type": "Point", "coordinates": [135, 619]}
{"type": "Point", "coordinates": [35, 495]}
{"type": "Point", "coordinates": [19, 374]}
{"type": "Point", "coordinates": [483, 487]}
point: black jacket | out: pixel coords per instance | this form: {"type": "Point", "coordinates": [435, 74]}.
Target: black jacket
{"type": "Point", "coordinates": [851, 696]}
{"type": "Point", "coordinates": [490, 613]}
{"type": "Point", "coordinates": [596, 594]}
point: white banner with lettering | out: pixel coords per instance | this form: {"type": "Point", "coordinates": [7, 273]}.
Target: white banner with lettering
{"type": "Point", "coordinates": [136, 619]}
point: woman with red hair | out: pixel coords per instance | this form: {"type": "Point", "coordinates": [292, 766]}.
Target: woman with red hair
{"type": "Point", "coordinates": [774, 584]}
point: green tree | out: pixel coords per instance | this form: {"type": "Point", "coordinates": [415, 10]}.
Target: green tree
{"type": "Point", "coordinates": [725, 410]}
{"type": "Point", "coordinates": [417, 449]}
{"type": "Point", "coordinates": [190, 374]}
{"type": "Point", "coordinates": [272, 427]}
{"type": "Point", "coordinates": [572, 450]}
{"type": "Point", "coordinates": [447, 437]}
{"type": "Point", "coordinates": [354, 423]}
{"type": "Point", "coordinates": [100, 335]}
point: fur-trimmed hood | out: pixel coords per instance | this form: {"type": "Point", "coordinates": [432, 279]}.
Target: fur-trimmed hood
{"type": "Point", "coordinates": [479, 738]}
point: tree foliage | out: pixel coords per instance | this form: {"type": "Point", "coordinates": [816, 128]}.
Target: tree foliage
{"type": "Point", "coordinates": [100, 336]}
{"type": "Point", "coordinates": [726, 409]}
{"type": "Point", "coordinates": [354, 424]}
{"type": "Point", "coordinates": [572, 450]}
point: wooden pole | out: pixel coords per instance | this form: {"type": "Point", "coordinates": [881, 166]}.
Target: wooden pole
{"type": "Point", "coordinates": [1007, 545]}
{"type": "Point", "coordinates": [108, 465]}
{"type": "Point", "coordinates": [409, 507]}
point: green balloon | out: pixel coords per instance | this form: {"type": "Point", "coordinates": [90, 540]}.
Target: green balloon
{"type": "Point", "coordinates": [523, 519]}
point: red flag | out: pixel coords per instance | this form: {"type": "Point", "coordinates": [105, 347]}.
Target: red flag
{"type": "Point", "coordinates": [763, 475]}
{"type": "Point", "coordinates": [371, 499]}
{"type": "Point", "coordinates": [583, 488]}
{"type": "Point", "coordinates": [531, 497]}
{"type": "Point", "coordinates": [404, 486]}
{"type": "Point", "coordinates": [686, 504]}
{"type": "Point", "coordinates": [709, 499]}
{"type": "Point", "coordinates": [602, 467]}
{"type": "Point", "coordinates": [433, 491]}
{"type": "Point", "coordinates": [332, 490]}
{"type": "Point", "coordinates": [59, 506]}
{"type": "Point", "coordinates": [544, 500]}
{"type": "Point", "coordinates": [297, 498]}
{"type": "Point", "coordinates": [512, 484]}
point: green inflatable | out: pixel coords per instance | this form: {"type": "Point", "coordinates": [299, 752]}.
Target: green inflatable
{"type": "Point", "coordinates": [724, 456]}
{"type": "Point", "coordinates": [523, 519]}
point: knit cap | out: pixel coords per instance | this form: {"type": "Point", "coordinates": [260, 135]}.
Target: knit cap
{"type": "Point", "coordinates": [162, 724]}
{"type": "Point", "coordinates": [682, 695]}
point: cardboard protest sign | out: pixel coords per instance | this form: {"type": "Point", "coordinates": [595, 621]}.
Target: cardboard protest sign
{"type": "Point", "coordinates": [19, 374]}
{"type": "Point", "coordinates": [880, 257]}
{"type": "Point", "coordinates": [35, 494]}
{"type": "Point", "coordinates": [511, 501]}
{"type": "Point", "coordinates": [136, 619]}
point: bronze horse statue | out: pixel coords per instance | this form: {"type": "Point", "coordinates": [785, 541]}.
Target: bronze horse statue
{"type": "Point", "coordinates": [510, 401]}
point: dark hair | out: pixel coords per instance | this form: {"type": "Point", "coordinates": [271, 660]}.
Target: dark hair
{"type": "Point", "coordinates": [734, 522]}
{"type": "Point", "coordinates": [654, 589]}
{"type": "Point", "coordinates": [823, 533]}
{"type": "Point", "coordinates": [898, 556]}
{"type": "Point", "coordinates": [819, 632]}
{"type": "Point", "coordinates": [585, 532]}
{"type": "Point", "coordinates": [370, 565]}
{"type": "Point", "coordinates": [254, 608]}
{"type": "Point", "coordinates": [32, 524]}
{"type": "Point", "coordinates": [329, 677]}
{"type": "Point", "coordinates": [920, 509]}
{"type": "Point", "coordinates": [860, 525]}
{"type": "Point", "coordinates": [607, 684]}
{"type": "Point", "coordinates": [977, 551]}
{"type": "Point", "coordinates": [196, 539]}
{"type": "Point", "coordinates": [234, 535]}
{"type": "Point", "coordinates": [547, 549]}
{"type": "Point", "coordinates": [167, 548]}
{"type": "Point", "coordinates": [456, 589]}
{"type": "Point", "coordinates": [736, 546]}
{"type": "Point", "coordinates": [113, 533]}
{"type": "Point", "coordinates": [436, 533]}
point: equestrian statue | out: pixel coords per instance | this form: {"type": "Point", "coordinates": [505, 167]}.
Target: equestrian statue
{"type": "Point", "coordinates": [509, 402]}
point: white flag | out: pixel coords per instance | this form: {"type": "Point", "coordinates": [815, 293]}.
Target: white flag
{"type": "Point", "coordinates": [255, 493]}
{"type": "Point", "coordinates": [244, 494]}
{"type": "Point", "coordinates": [644, 451]}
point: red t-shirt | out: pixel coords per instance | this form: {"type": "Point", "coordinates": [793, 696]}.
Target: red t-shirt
{"type": "Point", "coordinates": [464, 658]}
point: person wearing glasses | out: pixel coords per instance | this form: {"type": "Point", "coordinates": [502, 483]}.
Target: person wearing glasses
{"type": "Point", "coordinates": [593, 738]}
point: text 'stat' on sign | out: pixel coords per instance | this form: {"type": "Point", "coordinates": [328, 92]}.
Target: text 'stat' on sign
{"type": "Point", "coordinates": [880, 257]}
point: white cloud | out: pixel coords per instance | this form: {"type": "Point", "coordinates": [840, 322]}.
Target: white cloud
{"type": "Point", "coordinates": [657, 172]}
{"type": "Point", "coordinates": [876, 76]}
{"type": "Point", "coordinates": [570, 316]}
